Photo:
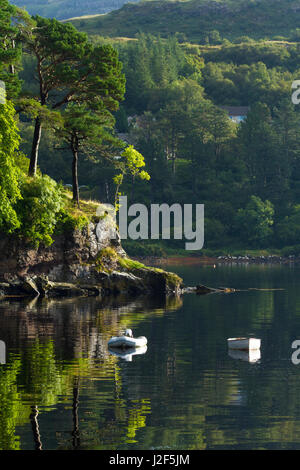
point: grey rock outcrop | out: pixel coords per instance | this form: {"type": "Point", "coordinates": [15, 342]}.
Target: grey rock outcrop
{"type": "Point", "coordinates": [70, 266]}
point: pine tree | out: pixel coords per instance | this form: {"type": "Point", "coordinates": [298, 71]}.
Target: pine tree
{"type": "Point", "coordinates": [70, 69]}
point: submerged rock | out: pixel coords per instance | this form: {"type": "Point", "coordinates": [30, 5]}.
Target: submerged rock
{"type": "Point", "coordinates": [202, 290]}
{"type": "Point", "coordinates": [30, 287]}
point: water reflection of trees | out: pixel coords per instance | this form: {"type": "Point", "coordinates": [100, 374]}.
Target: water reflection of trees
{"type": "Point", "coordinates": [54, 343]}
{"type": "Point", "coordinates": [60, 356]}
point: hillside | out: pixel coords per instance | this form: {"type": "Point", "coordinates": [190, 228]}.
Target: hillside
{"type": "Point", "coordinates": [62, 9]}
{"type": "Point", "coordinates": [196, 18]}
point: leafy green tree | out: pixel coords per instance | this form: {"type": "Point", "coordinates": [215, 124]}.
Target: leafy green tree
{"type": "Point", "coordinates": [38, 212]}
{"type": "Point", "coordinates": [88, 132]}
{"type": "Point", "coordinates": [9, 172]}
{"type": "Point", "coordinates": [130, 163]}
{"type": "Point", "coordinates": [219, 127]}
{"type": "Point", "coordinates": [208, 138]}
{"type": "Point", "coordinates": [286, 124]}
{"type": "Point", "coordinates": [58, 49]}
{"type": "Point", "coordinates": [214, 37]}
{"type": "Point", "coordinates": [183, 96]}
{"type": "Point", "coordinates": [137, 66]}
{"type": "Point", "coordinates": [288, 229]}
{"type": "Point", "coordinates": [257, 146]}
{"type": "Point", "coordinates": [255, 221]}
{"type": "Point", "coordinates": [10, 51]}
{"type": "Point", "coordinates": [70, 69]}
{"type": "Point", "coordinates": [151, 64]}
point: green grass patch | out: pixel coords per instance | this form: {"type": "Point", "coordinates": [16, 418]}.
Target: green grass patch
{"type": "Point", "coordinates": [73, 218]}
{"type": "Point", "coordinates": [106, 260]}
{"type": "Point", "coordinates": [133, 265]}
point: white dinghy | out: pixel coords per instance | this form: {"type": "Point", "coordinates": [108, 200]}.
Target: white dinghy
{"type": "Point", "coordinates": [251, 355]}
{"type": "Point", "coordinates": [243, 344]}
{"type": "Point", "coordinates": [127, 341]}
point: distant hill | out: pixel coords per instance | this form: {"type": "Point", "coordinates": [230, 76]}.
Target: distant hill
{"type": "Point", "coordinates": [63, 9]}
{"type": "Point", "coordinates": [194, 19]}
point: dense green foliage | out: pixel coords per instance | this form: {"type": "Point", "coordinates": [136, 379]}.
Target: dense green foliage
{"type": "Point", "coordinates": [9, 49]}
{"type": "Point", "coordinates": [196, 154]}
{"type": "Point", "coordinates": [42, 200]}
{"type": "Point", "coordinates": [27, 207]}
{"type": "Point", "coordinates": [9, 172]}
{"type": "Point", "coordinates": [246, 174]}
{"type": "Point", "coordinates": [62, 9]}
{"type": "Point", "coordinates": [199, 20]}
{"type": "Point", "coordinates": [69, 70]}
{"type": "Point", "coordinates": [193, 152]}
{"type": "Point", "coordinates": [256, 220]}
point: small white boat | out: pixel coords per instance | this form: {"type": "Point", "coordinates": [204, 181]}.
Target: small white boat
{"type": "Point", "coordinates": [251, 355]}
{"type": "Point", "coordinates": [127, 341]}
{"type": "Point", "coordinates": [127, 353]}
{"type": "Point", "coordinates": [243, 343]}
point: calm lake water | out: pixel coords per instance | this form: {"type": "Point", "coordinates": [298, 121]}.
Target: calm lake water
{"type": "Point", "coordinates": [61, 388]}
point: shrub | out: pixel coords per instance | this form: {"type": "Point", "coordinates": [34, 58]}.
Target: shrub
{"type": "Point", "coordinates": [66, 222]}
{"type": "Point", "coordinates": [288, 230]}
{"type": "Point", "coordinates": [9, 172]}
{"type": "Point", "coordinates": [143, 249]}
{"type": "Point", "coordinates": [38, 210]}
{"type": "Point", "coordinates": [255, 221]}
{"type": "Point", "coordinates": [291, 250]}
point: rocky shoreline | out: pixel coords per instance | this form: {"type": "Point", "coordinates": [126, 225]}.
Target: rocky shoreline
{"type": "Point", "coordinates": [115, 283]}
{"type": "Point", "coordinates": [270, 259]}
{"type": "Point", "coordinates": [247, 259]}
{"type": "Point", "coordinates": [85, 262]}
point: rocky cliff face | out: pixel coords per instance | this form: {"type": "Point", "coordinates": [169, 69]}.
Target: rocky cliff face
{"type": "Point", "coordinates": [81, 262]}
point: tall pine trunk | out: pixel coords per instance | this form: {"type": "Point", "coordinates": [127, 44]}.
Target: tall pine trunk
{"type": "Point", "coordinates": [12, 67]}
{"type": "Point", "coordinates": [74, 147]}
{"type": "Point", "coordinates": [37, 135]}
{"type": "Point", "coordinates": [35, 147]}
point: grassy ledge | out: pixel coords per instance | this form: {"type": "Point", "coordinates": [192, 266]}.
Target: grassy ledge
{"type": "Point", "coordinates": [108, 260]}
